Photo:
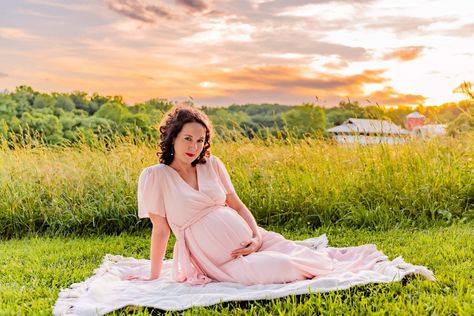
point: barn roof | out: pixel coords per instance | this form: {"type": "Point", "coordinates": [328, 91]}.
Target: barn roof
{"type": "Point", "coordinates": [415, 115]}
{"type": "Point", "coordinates": [362, 126]}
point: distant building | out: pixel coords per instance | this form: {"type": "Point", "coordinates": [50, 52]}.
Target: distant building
{"type": "Point", "coordinates": [429, 131]}
{"type": "Point", "coordinates": [367, 131]}
{"type": "Point", "coordinates": [416, 124]}
{"type": "Point", "coordinates": [413, 120]}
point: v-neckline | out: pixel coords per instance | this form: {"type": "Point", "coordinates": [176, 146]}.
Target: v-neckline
{"type": "Point", "coordinates": [197, 178]}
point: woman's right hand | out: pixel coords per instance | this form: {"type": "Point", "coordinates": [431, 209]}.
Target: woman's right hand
{"type": "Point", "coordinates": [138, 278]}
{"type": "Point", "coordinates": [248, 247]}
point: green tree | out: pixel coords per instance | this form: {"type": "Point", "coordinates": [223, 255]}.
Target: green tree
{"type": "Point", "coordinates": [305, 119]}
{"type": "Point", "coordinates": [463, 123]}
{"type": "Point", "coordinates": [46, 125]}
{"type": "Point", "coordinates": [162, 105]}
{"type": "Point", "coordinates": [44, 101]}
{"type": "Point", "coordinates": [224, 120]}
{"type": "Point", "coordinates": [336, 116]}
{"type": "Point", "coordinates": [24, 97]}
{"type": "Point", "coordinates": [138, 125]}
{"type": "Point", "coordinates": [100, 100]}
{"type": "Point", "coordinates": [70, 122]}
{"type": "Point", "coordinates": [154, 109]}
{"type": "Point", "coordinates": [265, 109]}
{"type": "Point", "coordinates": [7, 107]}
{"type": "Point", "coordinates": [101, 127]}
{"type": "Point", "coordinates": [397, 116]}
{"type": "Point", "coordinates": [64, 102]}
{"type": "Point", "coordinates": [82, 102]}
{"type": "Point", "coordinates": [373, 112]}
{"type": "Point", "coordinates": [353, 107]}
{"type": "Point", "coordinates": [113, 111]}
{"type": "Point", "coordinates": [24, 93]}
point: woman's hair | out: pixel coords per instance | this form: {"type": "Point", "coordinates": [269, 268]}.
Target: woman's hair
{"type": "Point", "coordinates": [172, 123]}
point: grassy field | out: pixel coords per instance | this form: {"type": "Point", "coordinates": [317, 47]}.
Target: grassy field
{"type": "Point", "coordinates": [297, 183]}
{"type": "Point", "coordinates": [63, 209]}
{"type": "Point", "coordinates": [34, 269]}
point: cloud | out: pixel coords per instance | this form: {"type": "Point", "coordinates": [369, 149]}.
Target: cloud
{"type": "Point", "coordinates": [301, 39]}
{"type": "Point", "coordinates": [138, 10]}
{"type": "Point", "coordinates": [15, 34]}
{"type": "Point", "coordinates": [257, 3]}
{"type": "Point", "coordinates": [3, 75]}
{"type": "Point", "coordinates": [84, 7]}
{"type": "Point", "coordinates": [291, 85]}
{"type": "Point", "coordinates": [284, 55]}
{"type": "Point", "coordinates": [328, 11]}
{"type": "Point", "coordinates": [34, 13]}
{"type": "Point", "coordinates": [388, 95]}
{"type": "Point", "coordinates": [142, 11]}
{"type": "Point", "coordinates": [281, 47]}
{"type": "Point", "coordinates": [465, 30]}
{"type": "Point", "coordinates": [195, 5]}
{"type": "Point", "coordinates": [404, 53]}
{"type": "Point", "coordinates": [282, 5]}
{"type": "Point", "coordinates": [336, 65]}
{"type": "Point", "coordinates": [222, 30]}
{"type": "Point", "coordinates": [405, 24]}
{"type": "Point", "coordinates": [295, 81]}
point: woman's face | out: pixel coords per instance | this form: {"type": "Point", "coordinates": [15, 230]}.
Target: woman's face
{"type": "Point", "coordinates": [189, 142]}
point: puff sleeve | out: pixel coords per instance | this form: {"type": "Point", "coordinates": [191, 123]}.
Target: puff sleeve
{"type": "Point", "coordinates": [223, 174]}
{"type": "Point", "coordinates": [150, 193]}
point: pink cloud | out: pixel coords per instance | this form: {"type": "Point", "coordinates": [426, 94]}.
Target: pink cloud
{"type": "Point", "coordinates": [405, 53]}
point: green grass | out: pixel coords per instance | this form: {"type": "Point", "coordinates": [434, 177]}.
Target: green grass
{"type": "Point", "coordinates": [34, 269]}
{"type": "Point", "coordinates": [63, 209]}
{"type": "Point", "coordinates": [294, 183]}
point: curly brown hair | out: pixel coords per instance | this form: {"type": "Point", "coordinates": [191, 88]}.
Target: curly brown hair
{"type": "Point", "coordinates": [173, 122]}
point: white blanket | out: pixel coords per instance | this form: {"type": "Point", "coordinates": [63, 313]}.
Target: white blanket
{"type": "Point", "coordinates": [105, 291]}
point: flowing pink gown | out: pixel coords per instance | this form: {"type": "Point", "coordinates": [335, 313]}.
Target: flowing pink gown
{"type": "Point", "coordinates": [207, 231]}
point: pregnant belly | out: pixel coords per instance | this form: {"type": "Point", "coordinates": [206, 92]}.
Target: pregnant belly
{"type": "Point", "coordinates": [218, 234]}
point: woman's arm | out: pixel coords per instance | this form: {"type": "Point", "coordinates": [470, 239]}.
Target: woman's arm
{"type": "Point", "coordinates": [160, 235]}
{"type": "Point", "coordinates": [255, 243]}
{"type": "Point", "coordinates": [234, 202]}
{"type": "Point", "coordinates": [159, 240]}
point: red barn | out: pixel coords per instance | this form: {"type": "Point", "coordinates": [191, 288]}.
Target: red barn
{"type": "Point", "coordinates": [413, 120]}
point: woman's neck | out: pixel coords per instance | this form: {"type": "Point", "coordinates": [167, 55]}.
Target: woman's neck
{"type": "Point", "coordinates": [181, 167]}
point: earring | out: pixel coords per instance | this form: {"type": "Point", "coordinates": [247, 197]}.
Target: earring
{"type": "Point", "coordinates": [172, 151]}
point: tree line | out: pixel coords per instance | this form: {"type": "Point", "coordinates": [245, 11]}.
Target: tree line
{"type": "Point", "coordinates": [77, 117]}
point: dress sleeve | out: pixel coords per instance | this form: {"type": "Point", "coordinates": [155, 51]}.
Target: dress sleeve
{"type": "Point", "coordinates": [150, 194]}
{"type": "Point", "coordinates": [223, 175]}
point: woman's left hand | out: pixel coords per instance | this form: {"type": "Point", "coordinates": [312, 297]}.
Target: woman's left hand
{"type": "Point", "coordinates": [249, 246]}
{"type": "Point", "coordinates": [138, 278]}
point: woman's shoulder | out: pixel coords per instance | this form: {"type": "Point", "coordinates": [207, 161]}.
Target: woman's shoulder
{"type": "Point", "coordinates": [213, 159]}
{"type": "Point", "coordinates": [215, 162]}
{"type": "Point", "coordinates": [153, 170]}
{"type": "Point", "coordinates": [155, 167]}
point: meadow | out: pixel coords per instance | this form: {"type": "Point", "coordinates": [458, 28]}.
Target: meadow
{"type": "Point", "coordinates": [92, 190]}
{"type": "Point", "coordinates": [62, 209]}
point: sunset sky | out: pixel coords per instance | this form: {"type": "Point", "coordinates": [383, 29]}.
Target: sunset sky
{"type": "Point", "coordinates": [249, 51]}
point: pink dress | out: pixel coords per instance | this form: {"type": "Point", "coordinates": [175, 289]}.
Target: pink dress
{"type": "Point", "coordinates": [207, 231]}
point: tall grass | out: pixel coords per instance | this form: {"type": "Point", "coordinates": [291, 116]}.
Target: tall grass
{"type": "Point", "coordinates": [92, 189]}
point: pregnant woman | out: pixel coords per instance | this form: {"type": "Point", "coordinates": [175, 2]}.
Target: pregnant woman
{"type": "Point", "coordinates": [217, 238]}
